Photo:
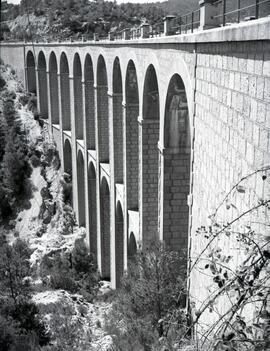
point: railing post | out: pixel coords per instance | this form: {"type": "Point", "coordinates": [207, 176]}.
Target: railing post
{"type": "Point", "coordinates": [111, 36]}
{"type": "Point", "coordinates": [125, 34]}
{"type": "Point", "coordinates": [192, 20]}
{"type": "Point", "coordinates": [168, 25]}
{"type": "Point", "coordinates": [133, 33]}
{"type": "Point", "coordinates": [257, 9]}
{"type": "Point", "coordinates": [223, 12]}
{"type": "Point", "coordinates": [209, 9]}
{"type": "Point", "coordinates": [145, 30]}
{"type": "Point", "coordinates": [238, 13]}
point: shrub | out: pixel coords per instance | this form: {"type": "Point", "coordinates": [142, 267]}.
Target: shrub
{"type": "Point", "coordinates": [21, 327]}
{"type": "Point", "coordinates": [14, 260]}
{"type": "Point", "coordinates": [15, 166]}
{"type": "Point", "coordinates": [24, 99]}
{"type": "Point", "coordinates": [72, 271]}
{"type": "Point", "coordinates": [2, 83]}
{"type": "Point", "coordinates": [32, 104]}
{"type": "Point", "coordinates": [35, 161]}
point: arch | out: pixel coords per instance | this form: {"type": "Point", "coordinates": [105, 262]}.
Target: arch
{"type": "Point", "coordinates": [89, 103]}
{"type": "Point", "coordinates": [177, 155]}
{"type": "Point", "coordinates": [65, 92]}
{"type": "Point", "coordinates": [53, 84]}
{"type": "Point", "coordinates": [81, 189]}
{"type": "Point", "coordinates": [119, 244]}
{"type": "Point", "coordinates": [102, 110]}
{"type": "Point", "coordinates": [131, 136]}
{"type": "Point", "coordinates": [31, 73]}
{"type": "Point", "coordinates": [78, 101]}
{"type": "Point", "coordinates": [42, 84]}
{"type": "Point", "coordinates": [118, 121]}
{"type": "Point", "coordinates": [150, 95]}
{"type": "Point", "coordinates": [149, 171]}
{"type": "Point", "coordinates": [68, 168]}
{"type": "Point", "coordinates": [92, 196]}
{"type": "Point", "coordinates": [105, 230]}
{"type": "Point", "coordinates": [132, 246]}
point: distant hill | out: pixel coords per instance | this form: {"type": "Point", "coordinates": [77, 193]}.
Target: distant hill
{"type": "Point", "coordinates": [59, 19]}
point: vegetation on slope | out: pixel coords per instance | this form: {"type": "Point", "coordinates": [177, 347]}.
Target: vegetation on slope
{"type": "Point", "coordinates": [72, 18]}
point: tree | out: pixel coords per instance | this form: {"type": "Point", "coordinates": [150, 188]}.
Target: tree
{"type": "Point", "coordinates": [15, 269]}
{"type": "Point", "coordinates": [151, 301]}
{"type": "Point", "coordinates": [15, 167]}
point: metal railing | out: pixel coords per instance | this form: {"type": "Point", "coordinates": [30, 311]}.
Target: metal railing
{"type": "Point", "coordinates": [240, 10]}
{"type": "Point", "coordinates": [186, 23]}
{"type": "Point", "coordinates": [157, 29]}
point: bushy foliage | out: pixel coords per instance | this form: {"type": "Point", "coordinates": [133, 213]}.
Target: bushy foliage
{"type": "Point", "coordinates": [35, 161]}
{"type": "Point", "coordinates": [20, 325]}
{"type": "Point", "coordinates": [15, 168]}
{"type": "Point", "coordinates": [67, 331]}
{"type": "Point", "coordinates": [2, 83]}
{"type": "Point", "coordinates": [149, 307]}
{"type": "Point", "coordinates": [14, 269]}
{"type": "Point", "coordinates": [73, 271]}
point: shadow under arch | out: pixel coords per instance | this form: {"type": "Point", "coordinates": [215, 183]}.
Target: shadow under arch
{"type": "Point", "coordinates": [102, 110]}
{"type": "Point", "coordinates": [105, 230]}
{"type": "Point", "coordinates": [92, 196]}
{"type": "Point", "coordinates": [31, 73]}
{"type": "Point", "coordinates": [132, 246]}
{"type": "Point", "coordinates": [68, 170]}
{"type": "Point", "coordinates": [149, 131]}
{"type": "Point", "coordinates": [42, 84]}
{"type": "Point", "coordinates": [53, 85]}
{"type": "Point", "coordinates": [89, 103]}
{"type": "Point", "coordinates": [81, 188]}
{"type": "Point", "coordinates": [131, 136]}
{"type": "Point", "coordinates": [65, 92]}
{"type": "Point", "coordinates": [118, 121]}
{"type": "Point", "coordinates": [119, 243]}
{"type": "Point", "coordinates": [78, 101]}
{"type": "Point", "coordinates": [177, 165]}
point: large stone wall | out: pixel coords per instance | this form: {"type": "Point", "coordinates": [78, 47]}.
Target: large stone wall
{"type": "Point", "coordinates": [232, 140]}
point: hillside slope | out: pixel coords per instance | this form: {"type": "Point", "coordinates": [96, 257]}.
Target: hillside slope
{"type": "Point", "coordinates": [46, 19]}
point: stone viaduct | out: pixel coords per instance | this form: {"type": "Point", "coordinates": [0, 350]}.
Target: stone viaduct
{"type": "Point", "coordinates": [153, 131]}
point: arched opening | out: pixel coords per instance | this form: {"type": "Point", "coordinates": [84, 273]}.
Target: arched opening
{"type": "Point", "coordinates": [105, 230]}
{"type": "Point", "coordinates": [149, 132]}
{"type": "Point", "coordinates": [78, 102]}
{"type": "Point", "coordinates": [119, 244]}
{"type": "Point", "coordinates": [131, 136]}
{"type": "Point", "coordinates": [102, 111]}
{"type": "Point", "coordinates": [68, 171]}
{"type": "Point", "coordinates": [31, 73]}
{"type": "Point", "coordinates": [65, 92]}
{"type": "Point", "coordinates": [118, 121]}
{"type": "Point", "coordinates": [53, 82]}
{"type": "Point", "coordinates": [176, 166]}
{"type": "Point", "coordinates": [42, 83]}
{"type": "Point", "coordinates": [89, 103]}
{"type": "Point", "coordinates": [132, 246]}
{"type": "Point", "coordinates": [92, 196]}
{"type": "Point", "coordinates": [81, 189]}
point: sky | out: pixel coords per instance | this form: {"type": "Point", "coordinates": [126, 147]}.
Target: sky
{"type": "Point", "coordinates": [119, 1]}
